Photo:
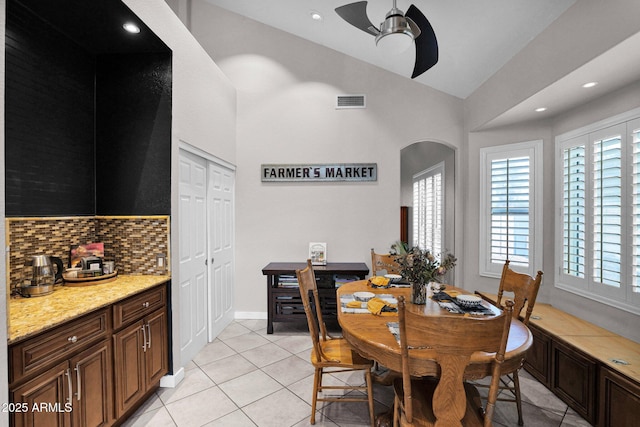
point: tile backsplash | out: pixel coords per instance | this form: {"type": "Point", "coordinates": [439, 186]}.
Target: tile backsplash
{"type": "Point", "coordinates": [133, 242]}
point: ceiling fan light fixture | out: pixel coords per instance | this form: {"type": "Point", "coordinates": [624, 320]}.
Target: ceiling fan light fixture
{"type": "Point", "coordinates": [130, 27]}
{"type": "Point", "coordinates": [395, 33]}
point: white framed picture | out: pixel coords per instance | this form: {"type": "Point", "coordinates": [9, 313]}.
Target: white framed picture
{"type": "Point", "coordinates": [318, 253]}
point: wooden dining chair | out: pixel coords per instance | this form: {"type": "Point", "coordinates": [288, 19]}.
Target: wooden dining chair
{"type": "Point", "coordinates": [447, 401]}
{"type": "Point", "coordinates": [386, 262]}
{"type": "Point", "coordinates": [523, 290]}
{"type": "Point", "coordinates": [330, 355]}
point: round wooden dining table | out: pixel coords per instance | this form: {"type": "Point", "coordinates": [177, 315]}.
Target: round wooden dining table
{"type": "Point", "coordinates": [369, 335]}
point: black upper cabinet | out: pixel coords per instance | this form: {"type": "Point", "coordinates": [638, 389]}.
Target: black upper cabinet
{"type": "Point", "coordinates": [87, 131]}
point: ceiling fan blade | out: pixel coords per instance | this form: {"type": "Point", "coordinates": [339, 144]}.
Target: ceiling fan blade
{"type": "Point", "coordinates": [356, 15]}
{"type": "Point", "coordinates": [426, 42]}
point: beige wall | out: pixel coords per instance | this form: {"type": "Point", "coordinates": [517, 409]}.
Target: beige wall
{"type": "Point", "coordinates": [286, 114]}
{"type": "Point", "coordinates": [586, 30]}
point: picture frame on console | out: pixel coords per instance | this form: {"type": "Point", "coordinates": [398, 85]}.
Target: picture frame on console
{"type": "Point", "coordinates": [318, 253]}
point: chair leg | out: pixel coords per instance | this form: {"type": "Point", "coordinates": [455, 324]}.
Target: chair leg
{"type": "Point", "coordinates": [317, 380]}
{"type": "Point", "coordinates": [516, 385]}
{"type": "Point", "coordinates": [367, 376]}
{"type": "Point", "coordinates": [396, 404]}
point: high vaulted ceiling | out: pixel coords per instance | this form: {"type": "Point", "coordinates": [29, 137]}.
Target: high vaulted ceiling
{"type": "Point", "coordinates": [476, 38]}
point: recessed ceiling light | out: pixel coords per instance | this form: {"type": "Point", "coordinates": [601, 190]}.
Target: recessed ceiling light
{"type": "Point", "coordinates": [131, 27]}
{"type": "Point", "coordinates": [590, 84]}
{"type": "Point", "coordinates": [541, 109]}
{"type": "Point", "coordinates": [316, 16]}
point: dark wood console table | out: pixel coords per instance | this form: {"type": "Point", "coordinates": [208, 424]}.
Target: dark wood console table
{"type": "Point", "coordinates": [283, 294]}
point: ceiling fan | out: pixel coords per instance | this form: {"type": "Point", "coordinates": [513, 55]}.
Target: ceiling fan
{"type": "Point", "coordinates": [397, 32]}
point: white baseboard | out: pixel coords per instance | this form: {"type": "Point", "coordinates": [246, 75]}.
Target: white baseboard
{"type": "Point", "coordinates": [171, 381]}
{"type": "Point", "coordinates": [250, 315]}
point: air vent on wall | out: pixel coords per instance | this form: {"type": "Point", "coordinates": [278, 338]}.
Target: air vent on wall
{"type": "Point", "coordinates": [350, 101]}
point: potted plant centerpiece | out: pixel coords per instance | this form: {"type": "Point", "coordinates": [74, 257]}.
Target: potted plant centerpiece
{"type": "Point", "coordinates": [421, 267]}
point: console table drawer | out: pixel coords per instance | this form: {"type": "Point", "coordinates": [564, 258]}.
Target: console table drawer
{"type": "Point", "coordinates": [287, 305]}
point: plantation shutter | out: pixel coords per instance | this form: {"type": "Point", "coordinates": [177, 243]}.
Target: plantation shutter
{"type": "Point", "coordinates": [635, 284]}
{"type": "Point", "coordinates": [607, 210]}
{"type": "Point", "coordinates": [509, 207]}
{"type": "Point", "coordinates": [427, 209]}
{"type": "Point", "coordinates": [574, 211]}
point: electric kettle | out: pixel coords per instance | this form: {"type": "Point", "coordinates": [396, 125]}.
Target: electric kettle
{"type": "Point", "coordinates": [38, 275]}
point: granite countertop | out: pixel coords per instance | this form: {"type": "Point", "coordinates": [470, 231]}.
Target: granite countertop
{"type": "Point", "coordinates": [30, 316]}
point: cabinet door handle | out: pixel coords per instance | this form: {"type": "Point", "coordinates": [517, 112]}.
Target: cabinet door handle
{"type": "Point", "coordinates": [78, 381]}
{"type": "Point", "coordinates": [72, 339]}
{"type": "Point", "coordinates": [70, 385]}
{"type": "Point", "coordinates": [149, 334]}
{"type": "Point", "coordinates": [145, 304]}
{"type": "Point", "coordinates": [144, 339]}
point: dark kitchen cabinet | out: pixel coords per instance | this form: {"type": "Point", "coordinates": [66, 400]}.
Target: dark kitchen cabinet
{"type": "Point", "coordinates": [75, 393]}
{"type": "Point", "coordinates": [538, 360]}
{"type": "Point", "coordinates": [92, 398]}
{"type": "Point", "coordinates": [573, 379]}
{"type": "Point", "coordinates": [140, 349]}
{"type": "Point", "coordinates": [95, 370]}
{"type": "Point", "coordinates": [619, 403]}
{"type": "Point", "coordinates": [591, 369]}
{"type": "Point", "coordinates": [34, 355]}
{"type": "Point", "coordinates": [156, 360]}
{"type": "Point", "coordinates": [49, 388]}
{"type": "Point", "coordinates": [129, 367]}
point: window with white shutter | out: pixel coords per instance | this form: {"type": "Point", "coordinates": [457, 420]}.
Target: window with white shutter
{"type": "Point", "coordinates": [599, 222]}
{"type": "Point", "coordinates": [428, 205]}
{"type": "Point", "coordinates": [510, 210]}
{"type": "Point", "coordinates": [510, 218]}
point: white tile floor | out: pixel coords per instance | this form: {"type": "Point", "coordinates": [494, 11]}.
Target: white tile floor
{"type": "Point", "coordinates": [249, 378]}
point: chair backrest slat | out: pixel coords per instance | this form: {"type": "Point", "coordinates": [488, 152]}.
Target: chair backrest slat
{"type": "Point", "coordinates": [453, 339]}
{"type": "Point", "coordinates": [386, 262]}
{"type": "Point", "coordinates": [524, 288]}
{"type": "Point", "coordinates": [307, 285]}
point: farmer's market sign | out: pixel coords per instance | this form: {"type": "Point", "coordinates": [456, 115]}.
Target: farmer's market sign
{"type": "Point", "coordinates": [320, 172]}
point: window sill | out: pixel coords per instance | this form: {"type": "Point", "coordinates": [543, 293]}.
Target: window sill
{"type": "Point", "coordinates": [621, 305]}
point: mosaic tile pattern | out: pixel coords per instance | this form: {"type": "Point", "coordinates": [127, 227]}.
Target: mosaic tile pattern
{"type": "Point", "coordinates": [132, 242]}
